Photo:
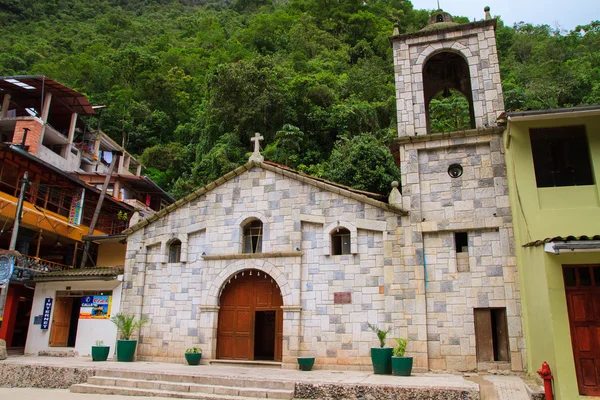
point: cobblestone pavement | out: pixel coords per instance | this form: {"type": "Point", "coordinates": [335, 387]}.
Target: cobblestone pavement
{"type": "Point", "coordinates": [500, 387]}
{"type": "Point", "coordinates": [508, 387]}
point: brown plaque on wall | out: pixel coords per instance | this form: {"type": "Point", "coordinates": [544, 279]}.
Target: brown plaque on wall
{"type": "Point", "coordinates": [342, 298]}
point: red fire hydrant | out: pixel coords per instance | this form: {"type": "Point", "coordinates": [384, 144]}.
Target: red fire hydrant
{"type": "Point", "coordinates": [546, 375]}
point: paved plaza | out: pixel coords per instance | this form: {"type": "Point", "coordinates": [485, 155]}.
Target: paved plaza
{"type": "Point", "coordinates": [490, 387]}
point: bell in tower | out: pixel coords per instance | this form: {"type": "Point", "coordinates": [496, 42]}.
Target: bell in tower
{"type": "Point", "coordinates": [441, 58]}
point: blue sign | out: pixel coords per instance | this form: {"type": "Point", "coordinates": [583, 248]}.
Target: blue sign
{"type": "Point", "coordinates": [46, 314]}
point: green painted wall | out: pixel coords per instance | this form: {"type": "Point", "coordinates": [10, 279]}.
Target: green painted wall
{"type": "Point", "coordinates": [539, 214]}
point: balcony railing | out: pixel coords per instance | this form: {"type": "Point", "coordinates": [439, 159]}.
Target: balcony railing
{"type": "Point", "coordinates": [39, 264]}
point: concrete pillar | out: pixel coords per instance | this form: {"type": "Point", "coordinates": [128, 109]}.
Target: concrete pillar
{"type": "Point", "coordinates": [138, 170]}
{"type": "Point", "coordinates": [126, 162]}
{"type": "Point", "coordinates": [72, 127]}
{"type": "Point", "coordinates": [46, 109]}
{"type": "Point", "coordinates": [96, 149]}
{"type": "Point", "coordinates": [120, 166]}
{"type": "Point", "coordinates": [5, 105]}
{"type": "Point", "coordinates": [117, 189]}
{"type": "Point", "coordinates": [45, 112]}
{"type": "Point", "coordinates": [67, 148]}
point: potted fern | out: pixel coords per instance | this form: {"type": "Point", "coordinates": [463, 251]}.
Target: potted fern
{"type": "Point", "coordinates": [401, 366]}
{"type": "Point", "coordinates": [381, 356]}
{"type": "Point", "coordinates": [193, 355]}
{"type": "Point", "coordinates": [100, 351]}
{"type": "Point", "coordinates": [126, 325]}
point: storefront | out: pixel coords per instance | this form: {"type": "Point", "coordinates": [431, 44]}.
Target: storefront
{"type": "Point", "coordinates": [72, 309]}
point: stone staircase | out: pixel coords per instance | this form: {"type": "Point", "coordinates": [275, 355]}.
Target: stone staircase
{"type": "Point", "coordinates": [135, 383]}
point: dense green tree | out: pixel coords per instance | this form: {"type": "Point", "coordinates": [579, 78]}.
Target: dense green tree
{"type": "Point", "coordinates": [195, 79]}
{"type": "Point", "coordinates": [364, 163]}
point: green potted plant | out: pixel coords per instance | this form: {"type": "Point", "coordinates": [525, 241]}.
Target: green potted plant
{"type": "Point", "coordinates": [100, 351]}
{"type": "Point", "coordinates": [306, 363]}
{"type": "Point", "coordinates": [193, 355]}
{"type": "Point", "coordinates": [401, 366]}
{"type": "Point", "coordinates": [126, 325]}
{"type": "Point", "coordinates": [381, 356]}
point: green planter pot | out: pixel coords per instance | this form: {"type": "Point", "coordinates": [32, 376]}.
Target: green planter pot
{"type": "Point", "coordinates": [306, 363]}
{"type": "Point", "coordinates": [126, 350]}
{"type": "Point", "coordinates": [382, 360]}
{"type": "Point", "coordinates": [100, 353]}
{"type": "Point", "coordinates": [402, 366]}
{"type": "Point", "coordinates": [193, 358]}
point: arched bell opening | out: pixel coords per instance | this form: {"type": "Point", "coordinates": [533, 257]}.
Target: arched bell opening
{"type": "Point", "coordinates": [444, 74]}
{"type": "Point", "coordinates": [250, 325]}
{"type": "Point", "coordinates": [449, 111]}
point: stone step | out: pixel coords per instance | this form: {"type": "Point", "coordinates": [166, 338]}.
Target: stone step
{"type": "Point", "coordinates": [123, 391]}
{"type": "Point", "coordinates": [192, 387]}
{"type": "Point", "coordinates": [247, 363]}
{"type": "Point", "coordinates": [200, 379]}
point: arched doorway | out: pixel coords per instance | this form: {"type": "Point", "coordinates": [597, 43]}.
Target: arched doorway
{"type": "Point", "coordinates": [250, 325]}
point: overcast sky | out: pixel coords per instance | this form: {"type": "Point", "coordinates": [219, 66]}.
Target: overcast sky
{"type": "Point", "coordinates": [564, 13]}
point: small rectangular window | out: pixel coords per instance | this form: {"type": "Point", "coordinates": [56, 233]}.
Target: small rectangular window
{"type": "Point", "coordinates": [561, 157]}
{"type": "Point", "coordinates": [461, 244]}
{"type": "Point", "coordinates": [461, 241]}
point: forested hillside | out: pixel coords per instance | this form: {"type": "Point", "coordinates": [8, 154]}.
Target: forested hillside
{"type": "Point", "coordinates": [188, 82]}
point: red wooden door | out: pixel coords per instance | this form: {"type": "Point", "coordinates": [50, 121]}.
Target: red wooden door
{"type": "Point", "coordinates": [583, 304]}
{"type": "Point", "coordinates": [240, 300]}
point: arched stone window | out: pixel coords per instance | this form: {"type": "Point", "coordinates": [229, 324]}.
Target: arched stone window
{"type": "Point", "coordinates": [253, 234]}
{"type": "Point", "coordinates": [340, 242]}
{"type": "Point", "coordinates": [175, 251]}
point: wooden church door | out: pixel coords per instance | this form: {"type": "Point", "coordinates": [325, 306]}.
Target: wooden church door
{"type": "Point", "coordinates": [250, 325]}
{"type": "Point", "coordinates": [582, 284]}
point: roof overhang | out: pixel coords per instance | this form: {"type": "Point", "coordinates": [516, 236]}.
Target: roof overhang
{"type": "Point", "coordinates": [28, 91]}
{"type": "Point", "coordinates": [105, 238]}
{"type": "Point", "coordinates": [572, 246]}
{"type": "Point", "coordinates": [555, 113]}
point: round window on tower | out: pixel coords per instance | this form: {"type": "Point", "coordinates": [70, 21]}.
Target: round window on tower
{"type": "Point", "coordinates": [455, 171]}
{"type": "Point", "coordinates": [439, 18]}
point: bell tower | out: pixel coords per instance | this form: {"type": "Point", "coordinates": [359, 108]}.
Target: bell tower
{"type": "Point", "coordinates": [458, 236]}
{"type": "Point", "coordinates": [442, 56]}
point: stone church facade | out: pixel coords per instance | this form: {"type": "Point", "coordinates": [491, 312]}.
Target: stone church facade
{"type": "Point", "coordinates": [269, 264]}
{"type": "Point", "coordinates": [327, 299]}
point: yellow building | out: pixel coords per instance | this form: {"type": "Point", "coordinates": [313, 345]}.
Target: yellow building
{"type": "Point", "coordinates": [553, 162]}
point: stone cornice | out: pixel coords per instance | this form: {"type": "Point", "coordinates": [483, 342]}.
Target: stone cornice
{"type": "Point", "coordinates": [279, 254]}
{"type": "Point", "coordinates": [496, 130]}
{"type": "Point", "coordinates": [446, 29]}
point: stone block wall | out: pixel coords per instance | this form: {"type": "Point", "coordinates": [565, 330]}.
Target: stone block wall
{"type": "Point", "coordinates": [477, 44]}
{"type": "Point", "coordinates": [475, 203]}
{"type": "Point", "coordinates": [181, 299]}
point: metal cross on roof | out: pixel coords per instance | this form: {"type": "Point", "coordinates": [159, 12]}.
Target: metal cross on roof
{"type": "Point", "coordinates": [256, 156]}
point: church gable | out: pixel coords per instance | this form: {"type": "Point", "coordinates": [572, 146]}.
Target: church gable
{"type": "Point", "coordinates": [280, 203]}
{"type": "Point", "coordinates": [329, 263]}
